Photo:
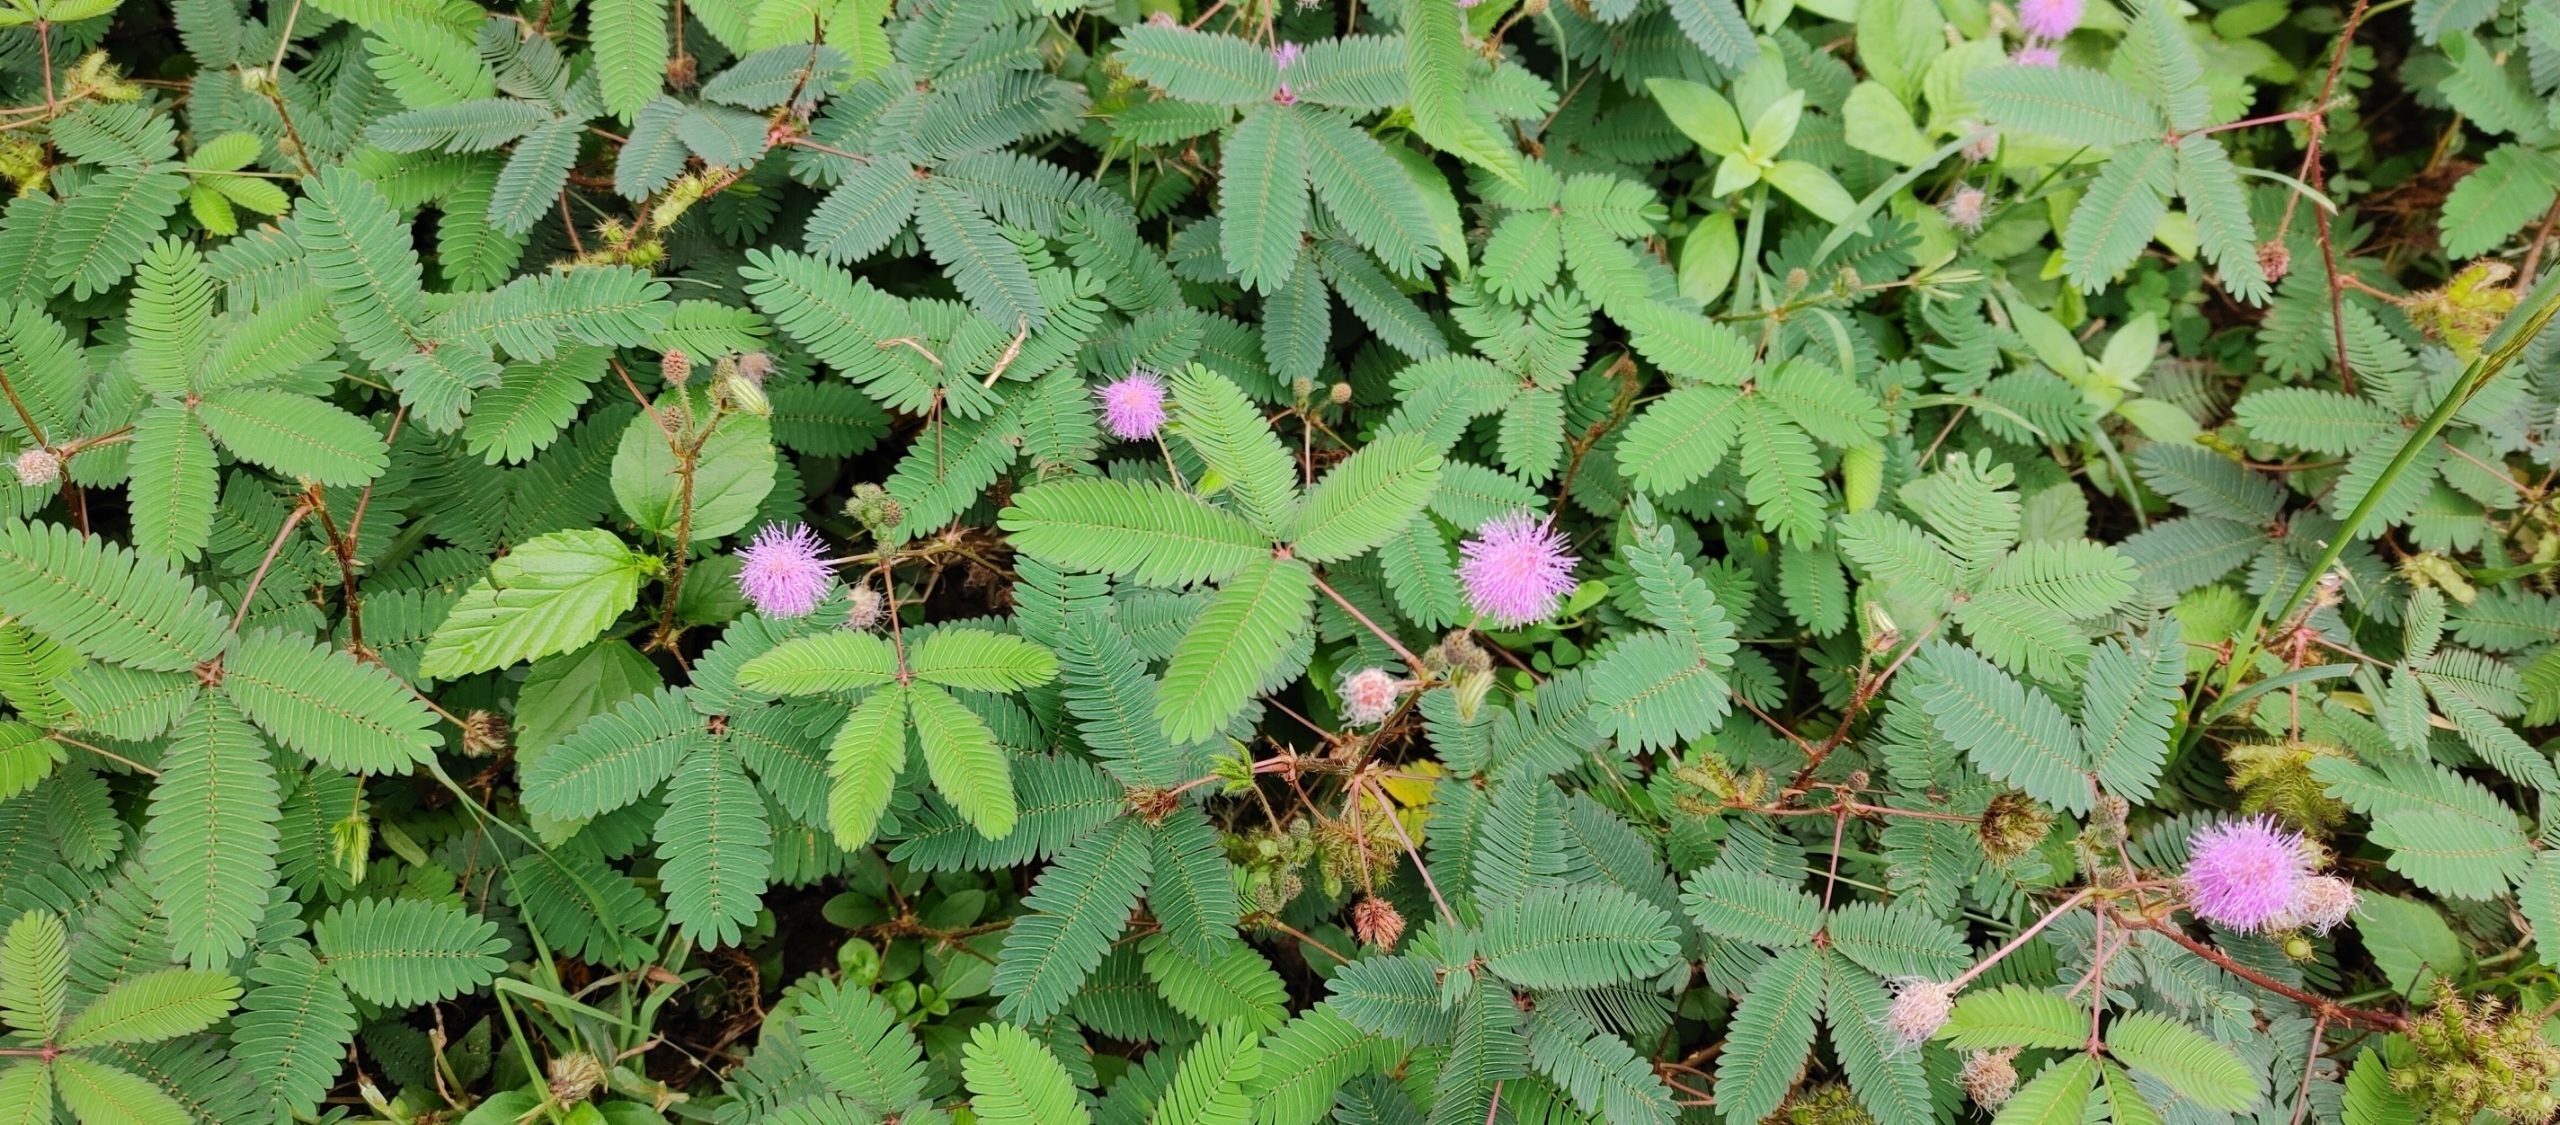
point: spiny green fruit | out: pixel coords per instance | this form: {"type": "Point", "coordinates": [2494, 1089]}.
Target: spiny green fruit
{"type": "Point", "coordinates": [2476, 1057]}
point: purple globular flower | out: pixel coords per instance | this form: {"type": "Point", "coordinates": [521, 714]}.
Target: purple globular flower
{"type": "Point", "coordinates": [785, 570]}
{"type": "Point", "coordinates": [1515, 569]}
{"type": "Point", "coordinates": [2048, 19]}
{"type": "Point", "coordinates": [2038, 55]}
{"type": "Point", "coordinates": [1133, 405]}
{"type": "Point", "coordinates": [2244, 874]}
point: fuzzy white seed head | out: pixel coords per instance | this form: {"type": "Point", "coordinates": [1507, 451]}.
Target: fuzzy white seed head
{"type": "Point", "coordinates": [867, 609]}
{"type": "Point", "coordinates": [39, 468]}
{"type": "Point", "coordinates": [1989, 1077]}
{"type": "Point", "coordinates": [1920, 1008]}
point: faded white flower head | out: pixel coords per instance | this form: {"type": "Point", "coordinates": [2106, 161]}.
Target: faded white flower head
{"type": "Point", "coordinates": [1966, 208]}
{"type": "Point", "coordinates": [1920, 1007]}
{"type": "Point", "coordinates": [1369, 696]}
{"type": "Point", "coordinates": [38, 468]}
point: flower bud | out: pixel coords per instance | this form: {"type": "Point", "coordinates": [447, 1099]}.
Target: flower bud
{"type": "Point", "coordinates": [873, 508]}
{"type": "Point", "coordinates": [676, 368]}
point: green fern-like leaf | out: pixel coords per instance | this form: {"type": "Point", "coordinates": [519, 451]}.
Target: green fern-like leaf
{"type": "Point", "coordinates": [868, 753]}
{"type": "Point", "coordinates": [715, 848]}
{"type": "Point", "coordinates": [2015, 1016]}
{"type": "Point", "coordinates": [977, 660]}
{"type": "Point", "coordinates": [98, 1092]}
{"type": "Point", "coordinates": [2068, 103]}
{"type": "Point", "coordinates": [631, 52]}
{"type": "Point", "coordinates": [295, 435]}
{"type": "Point", "coordinates": [361, 255]}
{"type": "Point", "coordinates": [335, 710]}
{"type": "Point", "coordinates": [1192, 892]}
{"type": "Point", "coordinates": [153, 1006]}
{"type": "Point", "coordinates": [1209, 1085]}
{"type": "Point", "coordinates": [2202, 1071]}
{"type": "Point", "coordinates": [1215, 418]}
{"type": "Point", "coordinates": [293, 1028]}
{"type": "Point", "coordinates": [1198, 67]}
{"type": "Point", "coordinates": [1013, 1080]}
{"type": "Point", "coordinates": [2011, 731]}
{"type": "Point", "coordinates": [105, 228]}
{"type": "Point", "coordinates": [860, 1049]}
{"type": "Point", "coordinates": [1886, 1075]}
{"type": "Point", "coordinates": [1604, 1076]}
{"type": "Point", "coordinates": [2114, 221]}
{"type": "Point", "coordinates": [1234, 645]}
{"type": "Point", "coordinates": [104, 600]}
{"type": "Point", "coordinates": [404, 952]}
{"type": "Point", "coordinates": [174, 484]}
{"type": "Point", "coordinates": [1367, 498]}
{"type": "Point", "coordinates": [961, 755]}
{"type": "Point", "coordinates": [1146, 533]}
{"type": "Point", "coordinates": [615, 758]}
{"type": "Point", "coordinates": [1075, 910]}
{"type": "Point", "coordinates": [211, 841]}
{"type": "Point", "coordinates": [1749, 906]}
{"type": "Point", "coordinates": [1305, 1062]}
{"type": "Point", "coordinates": [1262, 192]}
{"type": "Point", "coordinates": [34, 974]}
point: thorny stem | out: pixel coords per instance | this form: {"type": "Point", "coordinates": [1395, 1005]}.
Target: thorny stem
{"type": "Point", "coordinates": [2322, 1006]}
{"type": "Point", "coordinates": [1411, 662]}
{"type": "Point", "coordinates": [29, 420]}
{"type": "Point", "coordinates": [2316, 127]}
{"type": "Point", "coordinates": [249, 595]}
{"type": "Point", "coordinates": [2518, 331]}
{"type": "Point", "coordinates": [44, 45]}
{"type": "Point", "coordinates": [344, 549]}
{"type": "Point", "coordinates": [2015, 943]}
{"type": "Point", "coordinates": [1303, 936]}
{"type": "Point", "coordinates": [103, 752]}
{"type": "Point", "coordinates": [1865, 693]}
{"type": "Point", "coordinates": [688, 459]}
{"type": "Point", "coordinates": [1448, 915]}
{"type": "Point", "coordinates": [2310, 1059]}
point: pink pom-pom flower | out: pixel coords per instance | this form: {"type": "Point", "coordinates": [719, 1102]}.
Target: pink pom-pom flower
{"type": "Point", "coordinates": [2048, 19]}
{"type": "Point", "coordinates": [1133, 406]}
{"type": "Point", "coordinates": [784, 571]}
{"type": "Point", "coordinates": [1515, 569]}
{"type": "Point", "coordinates": [2245, 874]}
